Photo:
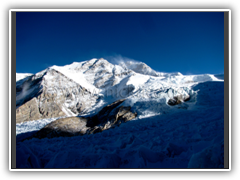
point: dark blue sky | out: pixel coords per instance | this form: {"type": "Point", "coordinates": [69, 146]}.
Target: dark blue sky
{"type": "Point", "coordinates": [186, 42]}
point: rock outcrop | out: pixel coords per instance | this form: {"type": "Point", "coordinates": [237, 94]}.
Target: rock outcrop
{"type": "Point", "coordinates": [110, 116]}
{"type": "Point", "coordinates": [178, 100]}
{"type": "Point", "coordinates": [66, 127]}
{"type": "Point", "coordinates": [28, 111]}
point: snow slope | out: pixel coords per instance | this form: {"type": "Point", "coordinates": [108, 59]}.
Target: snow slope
{"type": "Point", "coordinates": [188, 135]}
{"type": "Point", "coordinates": [20, 76]}
{"type": "Point", "coordinates": [94, 75]}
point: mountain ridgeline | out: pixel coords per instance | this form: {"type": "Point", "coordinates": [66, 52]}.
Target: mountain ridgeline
{"type": "Point", "coordinates": [86, 88]}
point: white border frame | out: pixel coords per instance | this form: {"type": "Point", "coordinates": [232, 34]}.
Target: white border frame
{"type": "Point", "coordinates": [119, 10]}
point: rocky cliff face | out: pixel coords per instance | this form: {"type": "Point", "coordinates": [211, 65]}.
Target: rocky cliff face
{"type": "Point", "coordinates": [50, 94]}
{"type": "Point", "coordinates": [65, 127]}
{"type": "Point", "coordinates": [110, 116]}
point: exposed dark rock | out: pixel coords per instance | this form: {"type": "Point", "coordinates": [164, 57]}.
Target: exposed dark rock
{"type": "Point", "coordinates": [100, 117]}
{"type": "Point", "coordinates": [178, 100]}
{"type": "Point", "coordinates": [28, 111]}
{"type": "Point", "coordinates": [110, 116]}
{"type": "Point", "coordinates": [66, 127]}
{"type": "Point", "coordinates": [187, 99]}
{"type": "Point", "coordinates": [174, 101]}
{"type": "Point", "coordinates": [127, 116]}
{"type": "Point", "coordinates": [95, 130]}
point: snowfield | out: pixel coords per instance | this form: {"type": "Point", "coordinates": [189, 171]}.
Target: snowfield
{"type": "Point", "coordinates": [187, 135]}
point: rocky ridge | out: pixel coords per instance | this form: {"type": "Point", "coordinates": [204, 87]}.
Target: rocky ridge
{"type": "Point", "coordinates": [50, 94]}
{"type": "Point", "coordinates": [109, 117]}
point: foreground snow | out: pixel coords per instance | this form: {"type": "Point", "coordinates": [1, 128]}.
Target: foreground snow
{"type": "Point", "coordinates": [186, 136]}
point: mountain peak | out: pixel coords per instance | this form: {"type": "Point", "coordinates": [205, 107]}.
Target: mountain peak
{"type": "Point", "coordinates": [138, 67]}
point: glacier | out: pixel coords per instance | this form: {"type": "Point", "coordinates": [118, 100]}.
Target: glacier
{"type": "Point", "coordinates": [186, 135]}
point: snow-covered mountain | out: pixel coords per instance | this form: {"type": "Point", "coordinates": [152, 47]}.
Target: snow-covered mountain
{"type": "Point", "coordinates": [161, 120]}
{"type": "Point", "coordinates": [102, 81]}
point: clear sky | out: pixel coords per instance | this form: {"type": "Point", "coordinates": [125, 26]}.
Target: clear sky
{"type": "Point", "coordinates": [186, 42]}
